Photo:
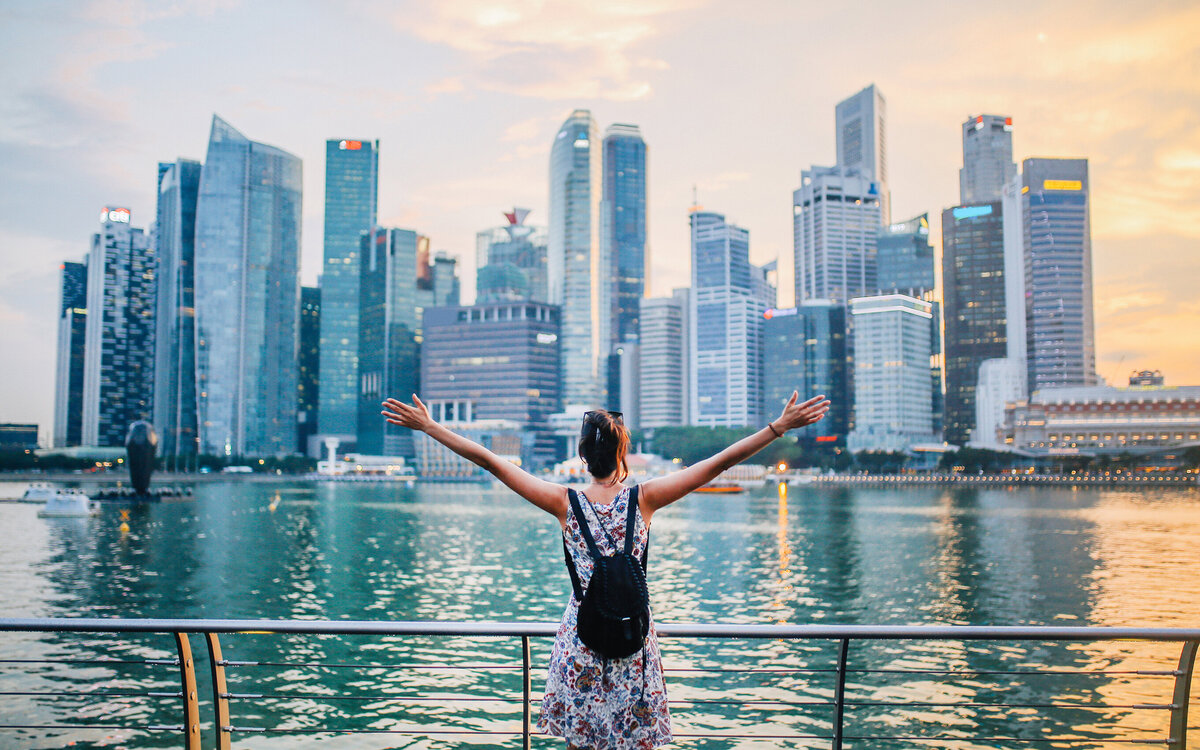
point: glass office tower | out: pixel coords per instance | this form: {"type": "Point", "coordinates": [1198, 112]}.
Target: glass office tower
{"type": "Point", "coordinates": [309, 365]}
{"type": "Point", "coordinates": [351, 205]}
{"type": "Point", "coordinates": [175, 362]}
{"type": "Point", "coordinates": [72, 335]}
{"type": "Point", "coordinates": [861, 125]}
{"type": "Point", "coordinates": [247, 295]}
{"type": "Point", "coordinates": [623, 225]}
{"type": "Point", "coordinates": [577, 280]}
{"type": "Point", "coordinates": [835, 224]}
{"type": "Point", "coordinates": [975, 306]}
{"type": "Point", "coordinates": [804, 349]}
{"type": "Point", "coordinates": [1059, 327]}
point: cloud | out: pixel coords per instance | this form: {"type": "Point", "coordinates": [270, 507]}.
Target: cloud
{"type": "Point", "coordinates": [567, 49]}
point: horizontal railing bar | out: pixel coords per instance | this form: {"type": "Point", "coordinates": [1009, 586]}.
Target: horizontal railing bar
{"type": "Point", "coordinates": [417, 731]}
{"type": "Point", "coordinates": [749, 670]}
{"type": "Point", "coordinates": [548, 629]}
{"type": "Point", "coordinates": [384, 698]}
{"type": "Point", "coordinates": [945, 704]}
{"type": "Point", "coordinates": [150, 728]}
{"type": "Point", "coordinates": [152, 662]}
{"type": "Point", "coordinates": [97, 694]}
{"type": "Point", "coordinates": [339, 665]}
{"type": "Point", "coordinates": [1030, 672]}
{"type": "Point", "coordinates": [1024, 740]}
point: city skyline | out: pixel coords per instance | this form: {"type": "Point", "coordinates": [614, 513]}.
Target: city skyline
{"type": "Point", "coordinates": [1075, 91]}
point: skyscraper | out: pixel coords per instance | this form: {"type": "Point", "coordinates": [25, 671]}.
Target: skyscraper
{"type": "Point", "coordinates": [351, 205]}
{"type": "Point", "coordinates": [987, 158]}
{"type": "Point", "coordinates": [804, 349]}
{"type": "Point", "coordinates": [175, 361]}
{"type": "Point", "coordinates": [72, 334]}
{"type": "Point", "coordinates": [623, 225]}
{"type": "Point", "coordinates": [835, 222]}
{"type": "Point", "coordinates": [861, 125]}
{"type": "Point", "coordinates": [247, 295]}
{"type": "Point", "coordinates": [511, 260]}
{"type": "Point", "coordinates": [663, 360]}
{"type": "Point", "coordinates": [388, 361]}
{"type": "Point", "coordinates": [975, 306]}
{"type": "Point", "coordinates": [309, 366]}
{"type": "Point", "coordinates": [575, 271]}
{"type": "Point", "coordinates": [118, 374]}
{"type": "Point", "coordinates": [1059, 328]}
{"type": "Point", "coordinates": [728, 298]}
{"type": "Point", "coordinates": [892, 400]}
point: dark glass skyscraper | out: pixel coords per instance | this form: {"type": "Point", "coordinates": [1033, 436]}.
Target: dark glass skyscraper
{"type": "Point", "coordinates": [175, 362]}
{"type": "Point", "coordinates": [388, 329]}
{"type": "Point", "coordinates": [118, 374]}
{"type": "Point", "coordinates": [1059, 328]}
{"type": "Point", "coordinates": [804, 349]}
{"type": "Point", "coordinates": [247, 295]}
{"type": "Point", "coordinates": [623, 225]}
{"type": "Point", "coordinates": [72, 334]}
{"type": "Point", "coordinates": [309, 385]}
{"type": "Point", "coordinates": [975, 312]}
{"type": "Point", "coordinates": [351, 205]}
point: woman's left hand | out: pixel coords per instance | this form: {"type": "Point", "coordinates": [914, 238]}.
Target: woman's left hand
{"type": "Point", "coordinates": [414, 416]}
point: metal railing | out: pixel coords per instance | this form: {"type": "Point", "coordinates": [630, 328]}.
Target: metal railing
{"type": "Point", "coordinates": [847, 673]}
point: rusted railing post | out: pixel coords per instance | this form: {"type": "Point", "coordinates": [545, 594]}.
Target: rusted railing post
{"type": "Point", "coordinates": [191, 702]}
{"type": "Point", "coordinates": [221, 724]}
{"type": "Point", "coordinates": [1179, 703]}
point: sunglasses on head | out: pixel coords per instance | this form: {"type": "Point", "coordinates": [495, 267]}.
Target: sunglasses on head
{"type": "Point", "coordinates": [587, 415]}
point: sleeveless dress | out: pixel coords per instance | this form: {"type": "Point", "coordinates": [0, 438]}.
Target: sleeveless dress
{"type": "Point", "coordinates": [592, 702]}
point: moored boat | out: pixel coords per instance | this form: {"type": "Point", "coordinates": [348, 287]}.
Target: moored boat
{"type": "Point", "coordinates": [68, 504]}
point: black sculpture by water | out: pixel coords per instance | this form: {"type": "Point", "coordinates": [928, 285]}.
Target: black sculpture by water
{"type": "Point", "coordinates": [141, 443]}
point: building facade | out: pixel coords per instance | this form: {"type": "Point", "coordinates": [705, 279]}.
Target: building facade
{"type": "Point", "coordinates": [72, 337]}
{"type": "Point", "coordinates": [577, 283]}
{"type": "Point", "coordinates": [175, 358]}
{"type": "Point", "coordinates": [1059, 326]}
{"type": "Point", "coordinates": [118, 372]}
{"type": "Point", "coordinates": [975, 306]}
{"type": "Point", "coordinates": [663, 360]}
{"type": "Point", "coordinates": [247, 296]}
{"type": "Point", "coordinates": [308, 362]}
{"type": "Point", "coordinates": [351, 207]}
{"type": "Point", "coordinates": [1098, 420]}
{"type": "Point", "coordinates": [805, 350]}
{"type": "Point", "coordinates": [861, 127]}
{"type": "Point", "coordinates": [893, 405]}
{"type": "Point", "coordinates": [728, 298]}
{"type": "Point", "coordinates": [511, 261]}
{"type": "Point", "coordinates": [501, 361]}
{"type": "Point", "coordinates": [987, 158]}
{"type": "Point", "coordinates": [835, 224]}
{"type": "Point", "coordinates": [623, 226]}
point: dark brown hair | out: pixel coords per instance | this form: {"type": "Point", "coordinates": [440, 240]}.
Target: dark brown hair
{"type": "Point", "coordinates": [603, 444]}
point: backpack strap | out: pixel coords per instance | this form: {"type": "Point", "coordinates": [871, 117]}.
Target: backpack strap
{"type": "Point", "coordinates": [631, 527]}
{"type": "Point", "coordinates": [587, 535]}
{"type": "Point", "coordinates": [575, 585]}
{"type": "Point", "coordinates": [577, 509]}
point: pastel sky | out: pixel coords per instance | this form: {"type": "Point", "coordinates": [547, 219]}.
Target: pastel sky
{"type": "Point", "coordinates": [734, 99]}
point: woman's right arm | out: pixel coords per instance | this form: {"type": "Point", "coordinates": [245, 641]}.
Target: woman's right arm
{"type": "Point", "coordinates": [663, 491]}
{"type": "Point", "coordinates": [548, 496]}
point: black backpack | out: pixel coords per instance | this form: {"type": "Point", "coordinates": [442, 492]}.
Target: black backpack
{"type": "Point", "coordinates": [614, 612]}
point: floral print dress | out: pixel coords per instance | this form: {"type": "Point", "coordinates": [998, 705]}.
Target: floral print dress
{"type": "Point", "coordinates": [590, 701]}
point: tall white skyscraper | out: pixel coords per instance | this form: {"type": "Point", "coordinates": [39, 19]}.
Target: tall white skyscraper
{"type": "Point", "coordinates": [835, 225]}
{"type": "Point", "coordinates": [118, 369]}
{"type": "Point", "coordinates": [663, 368]}
{"type": "Point", "coordinates": [862, 141]}
{"type": "Point", "coordinates": [575, 270]}
{"type": "Point", "coordinates": [893, 405]}
{"type": "Point", "coordinates": [729, 296]}
{"type": "Point", "coordinates": [987, 158]}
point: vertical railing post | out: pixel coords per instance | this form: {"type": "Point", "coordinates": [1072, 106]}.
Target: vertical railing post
{"type": "Point", "coordinates": [1179, 703]}
{"type": "Point", "coordinates": [221, 725]}
{"type": "Point", "coordinates": [525, 738]}
{"type": "Point", "coordinates": [191, 702]}
{"type": "Point", "coordinates": [839, 694]}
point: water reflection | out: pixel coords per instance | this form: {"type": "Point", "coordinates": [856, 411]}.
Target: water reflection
{"type": "Point", "coordinates": [889, 556]}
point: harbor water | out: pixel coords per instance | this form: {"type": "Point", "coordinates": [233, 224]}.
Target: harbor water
{"type": "Point", "coordinates": [813, 555]}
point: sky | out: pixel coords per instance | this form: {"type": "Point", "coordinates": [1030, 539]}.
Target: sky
{"type": "Point", "coordinates": [733, 99]}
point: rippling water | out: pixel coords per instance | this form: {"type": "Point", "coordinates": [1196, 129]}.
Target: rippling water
{"type": "Point", "coordinates": [1014, 556]}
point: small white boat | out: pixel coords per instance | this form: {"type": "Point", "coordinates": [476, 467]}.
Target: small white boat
{"type": "Point", "coordinates": [68, 504]}
{"type": "Point", "coordinates": [38, 492]}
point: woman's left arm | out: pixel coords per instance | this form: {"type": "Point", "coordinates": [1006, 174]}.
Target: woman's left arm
{"type": "Point", "coordinates": [548, 496]}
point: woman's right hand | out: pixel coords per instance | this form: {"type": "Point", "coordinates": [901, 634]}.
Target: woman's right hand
{"type": "Point", "coordinates": [801, 415]}
{"type": "Point", "coordinates": [414, 416]}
